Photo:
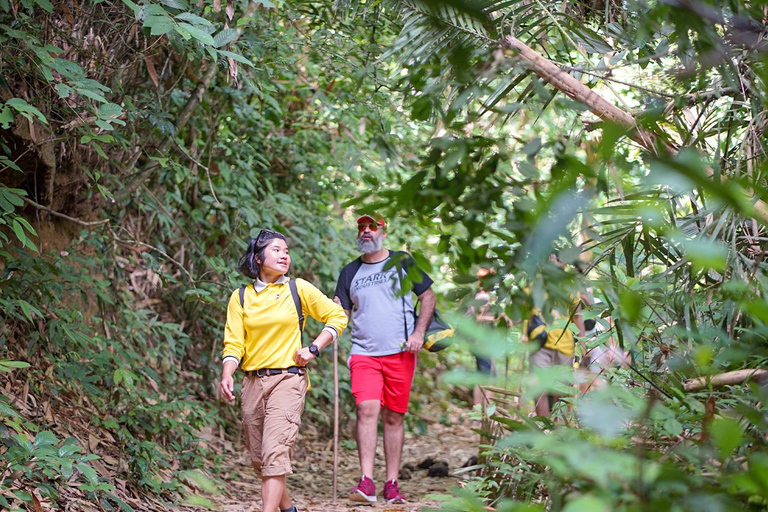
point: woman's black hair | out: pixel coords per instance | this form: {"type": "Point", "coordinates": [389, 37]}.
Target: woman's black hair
{"type": "Point", "coordinates": [248, 266]}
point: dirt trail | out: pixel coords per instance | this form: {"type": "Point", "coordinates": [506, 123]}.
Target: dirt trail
{"type": "Point", "coordinates": [311, 483]}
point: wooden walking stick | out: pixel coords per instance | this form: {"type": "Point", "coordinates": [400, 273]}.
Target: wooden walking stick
{"type": "Point", "coordinates": [335, 419]}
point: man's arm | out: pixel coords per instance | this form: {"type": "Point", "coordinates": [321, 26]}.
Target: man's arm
{"type": "Point", "coordinates": [416, 339]}
{"type": "Point", "coordinates": [337, 300]}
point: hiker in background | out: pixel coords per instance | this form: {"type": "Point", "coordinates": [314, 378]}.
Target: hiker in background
{"type": "Point", "coordinates": [604, 358]}
{"type": "Point", "coordinates": [263, 337]}
{"type": "Point", "coordinates": [385, 342]}
{"type": "Point", "coordinates": [557, 345]}
{"type": "Point", "coordinates": [482, 315]}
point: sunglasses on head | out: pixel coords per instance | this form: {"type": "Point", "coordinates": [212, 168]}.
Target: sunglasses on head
{"type": "Point", "coordinates": [370, 225]}
{"type": "Point", "coordinates": [264, 233]}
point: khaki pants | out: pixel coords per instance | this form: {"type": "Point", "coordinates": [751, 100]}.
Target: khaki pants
{"type": "Point", "coordinates": [272, 407]}
{"type": "Point", "coordinates": [547, 358]}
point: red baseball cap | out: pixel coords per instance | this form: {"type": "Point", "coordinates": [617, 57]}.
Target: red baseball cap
{"type": "Point", "coordinates": [378, 219]}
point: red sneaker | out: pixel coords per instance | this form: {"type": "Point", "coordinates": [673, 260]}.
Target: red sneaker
{"type": "Point", "coordinates": [392, 493]}
{"type": "Point", "coordinates": [364, 492]}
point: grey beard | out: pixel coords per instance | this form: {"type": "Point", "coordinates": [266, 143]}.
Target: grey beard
{"type": "Point", "coordinates": [370, 246]}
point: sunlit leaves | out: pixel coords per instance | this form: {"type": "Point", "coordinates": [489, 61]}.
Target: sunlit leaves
{"type": "Point", "coordinates": [608, 411]}
{"type": "Point", "coordinates": [703, 253]}
{"type": "Point", "coordinates": [9, 366]}
{"type": "Point", "coordinates": [726, 435]}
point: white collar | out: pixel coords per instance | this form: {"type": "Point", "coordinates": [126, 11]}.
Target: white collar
{"type": "Point", "coordinates": [259, 285]}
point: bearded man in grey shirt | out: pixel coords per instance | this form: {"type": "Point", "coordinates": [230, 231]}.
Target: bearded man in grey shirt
{"type": "Point", "coordinates": [385, 341]}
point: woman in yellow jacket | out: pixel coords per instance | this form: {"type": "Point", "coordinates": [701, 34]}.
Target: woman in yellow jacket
{"type": "Point", "coordinates": [263, 337]}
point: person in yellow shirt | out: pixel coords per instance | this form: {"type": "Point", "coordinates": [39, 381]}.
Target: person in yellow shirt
{"type": "Point", "coordinates": [557, 347]}
{"type": "Point", "coordinates": [263, 337]}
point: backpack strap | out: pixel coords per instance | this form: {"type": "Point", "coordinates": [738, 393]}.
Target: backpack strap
{"type": "Point", "coordinates": [297, 303]}
{"type": "Point", "coordinates": [294, 295]}
{"type": "Point", "coordinates": [398, 267]}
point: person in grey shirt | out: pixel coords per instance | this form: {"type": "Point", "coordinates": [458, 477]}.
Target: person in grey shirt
{"type": "Point", "coordinates": [385, 342]}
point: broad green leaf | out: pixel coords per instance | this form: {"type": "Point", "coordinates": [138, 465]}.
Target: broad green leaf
{"type": "Point", "coordinates": [45, 438]}
{"type": "Point", "coordinates": [422, 108]}
{"type": "Point", "coordinates": [703, 253]}
{"type": "Point", "coordinates": [103, 124]}
{"type": "Point", "coordinates": [29, 310]}
{"type": "Point", "coordinates": [7, 162]}
{"type": "Point", "coordinates": [68, 69]}
{"type": "Point", "coordinates": [90, 93]}
{"type": "Point", "coordinates": [25, 109]}
{"type": "Point", "coordinates": [23, 496]}
{"type": "Point", "coordinates": [132, 6]}
{"type": "Point", "coordinates": [88, 472]}
{"type": "Point", "coordinates": [224, 37]}
{"type": "Point", "coordinates": [64, 90]}
{"type": "Point", "coordinates": [110, 110]}
{"type": "Point", "coordinates": [194, 19]}
{"type": "Point", "coordinates": [726, 434]}
{"type": "Point", "coordinates": [602, 412]}
{"type": "Point", "coordinates": [7, 366]}
{"type": "Point", "coordinates": [196, 32]}
{"type": "Point", "coordinates": [673, 427]}
{"type": "Point", "coordinates": [159, 25]}
{"type": "Point", "coordinates": [6, 117]}
{"type": "Point", "coordinates": [631, 304]}
{"type": "Point", "coordinates": [155, 10]}
{"type": "Point", "coordinates": [18, 230]}
{"type": "Point", "coordinates": [239, 58]}
{"type": "Point", "coordinates": [176, 4]}
{"type": "Point", "coordinates": [196, 478]}
{"type": "Point", "coordinates": [45, 4]}
{"type": "Point", "coordinates": [588, 503]}
{"type": "Point", "coordinates": [532, 147]}
{"type": "Point", "coordinates": [13, 196]}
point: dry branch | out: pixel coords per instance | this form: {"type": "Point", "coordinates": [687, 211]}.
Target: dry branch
{"type": "Point", "coordinates": [725, 379]}
{"type": "Point", "coordinates": [63, 216]}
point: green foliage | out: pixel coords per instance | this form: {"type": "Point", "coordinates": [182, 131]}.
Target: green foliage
{"type": "Point", "coordinates": [201, 130]}
{"type": "Point", "coordinates": [516, 172]}
{"type": "Point", "coordinates": [10, 200]}
{"type": "Point", "coordinates": [46, 463]}
{"type": "Point", "coordinates": [198, 126]}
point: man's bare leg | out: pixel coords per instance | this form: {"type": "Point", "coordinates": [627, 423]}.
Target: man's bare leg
{"type": "Point", "coordinates": [367, 434]}
{"type": "Point", "coordinates": [394, 436]}
{"type": "Point", "coordinates": [542, 406]}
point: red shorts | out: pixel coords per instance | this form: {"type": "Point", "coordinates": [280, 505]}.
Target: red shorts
{"type": "Point", "coordinates": [384, 378]}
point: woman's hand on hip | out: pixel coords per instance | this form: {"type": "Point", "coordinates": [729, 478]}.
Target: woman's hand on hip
{"type": "Point", "coordinates": [302, 356]}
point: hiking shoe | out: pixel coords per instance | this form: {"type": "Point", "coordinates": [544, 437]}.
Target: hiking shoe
{"type": "Point", "coordinates": [364, 492]}
{"type": "Point", "coordinates": [392, 493]}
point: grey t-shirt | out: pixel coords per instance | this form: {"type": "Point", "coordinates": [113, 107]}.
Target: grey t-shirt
{"type": "Point", "coordinates": [380, 316]}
